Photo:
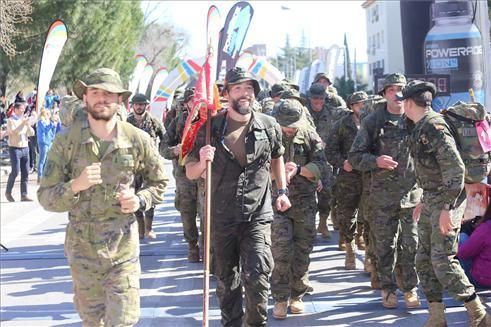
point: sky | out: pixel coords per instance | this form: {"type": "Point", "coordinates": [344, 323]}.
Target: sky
{"type": "Point", "coordinates": [323, 23]}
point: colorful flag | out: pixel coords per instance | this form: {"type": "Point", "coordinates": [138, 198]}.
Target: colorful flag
{"type": "Point", "coordinates": [145, 79]}
{"type": "Point", "coordinates": [55, 40]}
{"type": "Point", "coordinates": [260, 68]}
{"type": "Point", "coordinates": [160, 76]}
{"type": "Point", "coordinates": [233, 35]}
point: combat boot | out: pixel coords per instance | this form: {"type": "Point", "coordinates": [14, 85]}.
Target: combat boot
{"type": "Point", "coordinates": [193, 252]}
{"type": "Point", "coordinates": [368, 265]}
{"type": "Point", "coordinates": [297, 306]}
{"type": "Point", "coordinates": [437, 315]}
{"type": "Point", "coordinates": [374, 281]}
{"type": "Point", "coordinates": [477, 314]}
{"type": "Point", "coordinates": [360, 242]}
{"type": "Point", "coordinates": [350, 259]}
{"type": "Point", "coordinates": [341, 245]}
{"type": "Point", "coordinates": [389, 299]}
{"type": "Point", "coordinates": [322, 228]}
{"type": "Point", "coordinates": [412, 299]}
{"type": "Point", "coordinates": [280, 310]}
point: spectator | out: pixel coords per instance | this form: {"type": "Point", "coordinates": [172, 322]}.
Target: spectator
{"type": "Point", "coordinates": [18, 130]}
{"type": "Point", "coordinates": [19, 97]}
{"type": "Point", "coordinates": [47, 127]}
{"type": "Point", "coordinates": [475, 252]}
{"type": "Point", "coordinates": [50, 99]}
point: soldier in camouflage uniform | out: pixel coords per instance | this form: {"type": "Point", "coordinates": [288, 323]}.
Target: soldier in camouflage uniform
{"type": "Point", "coordinates": [293, 231]}
{"type": "Point", "coordinates": [440, 172]}
{"type": "Point", "coordinates": [381, 146]}
{"type": "Point", "coordinates": [186, 199]}
{"type": "Point", "coordinates": [347, 189]}
{"type": "Point", "coordinates": [175, 109]}
{"type": "Point", "coordinates": [90, 172]}
{"type": "Point", "coordinates": [245, 149]}
{"type": "Point", "coordinates": [332, 99]}
{"type": "Point", "coordinates": [142, 119]}
{"type": "Point", "coordinates": [324, 118]}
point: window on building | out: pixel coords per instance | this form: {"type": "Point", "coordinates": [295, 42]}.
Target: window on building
{"type": "Point", "coordinates": [378, 40]}
{"type": "Point", "coordinates": [382, 64]}
{"type": "Point", "coordinates": [375, 14]}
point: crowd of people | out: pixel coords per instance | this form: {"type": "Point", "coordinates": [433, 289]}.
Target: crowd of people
{"type": "Point", "coordinates": [386, 169]}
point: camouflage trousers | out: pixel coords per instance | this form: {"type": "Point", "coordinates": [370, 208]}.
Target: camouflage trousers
{"type": "Point", "coordinates": [348, 195]}
{"type": "Point", "coordinates": [144, 218]}
{"type": "Point", "coordinates": [365, 215]}
{"type": "Point", "coordinates": [106, 276]}
{"type": "Point", "coordinates": [324, 200]}
{"type": "Point", "coordinates": [292, 235]}
{"type": "Point", "coordinates": [396, 238]}
{"type": "Point", "coordinates": [438, 268]}
{"type": "Point", "coordinates": [243, 258]}
{"type": "Point", "coordinates": [186, 201]}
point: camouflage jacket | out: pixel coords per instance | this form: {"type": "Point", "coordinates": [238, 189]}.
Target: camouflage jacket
{"type": "Point", "coordinates": [379, 135]}
{"type": "Point", "coordinates": [325, 119]}
{"type": "Point", "coordinates": [131, 152]}
{"type": "Point", "coordinates": [340, 139]}
{"type": "Point", "coordinates": [334, 100]}
{"type": "Point", "coordinates": [439, 168]}
{"type": "Point", "coordinates": [172, 139]}
{"type": "Point", "coordinates": [150, 125]}
{"type": "Point", "coordinates": [306, 149]}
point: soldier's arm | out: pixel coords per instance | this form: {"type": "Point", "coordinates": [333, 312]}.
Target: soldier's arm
{"type": "Point", "coordinates": [333, 147]}
{"type": "Point", "coordinates": [55, 192]}
{"type": "Point", "coordinates": [154, 176]}
{"type": "Point", "coordinates": [170, 142]}
{"type": "Point", "coordinates": [451, 165]}
{"type": "Point", "coordinates": [318, 165]}
{"type": "Point", "coordinates": [194, 165]}
{"type": "Point", "coordinates": [360, 155]}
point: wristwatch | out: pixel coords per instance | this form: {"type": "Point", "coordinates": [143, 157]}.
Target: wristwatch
{"type": "Point", "coordinates": [143, 204]}
{"type": "Point", "coordinates": [282, 191]}
{"type": "Point", "coordinates": [447, 206]}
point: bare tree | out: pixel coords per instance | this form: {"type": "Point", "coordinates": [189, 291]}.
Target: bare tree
{"type": "Point", "coordinates": [12, 13]}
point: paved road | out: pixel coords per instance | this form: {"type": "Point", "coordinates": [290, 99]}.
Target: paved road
{"type": "Point", "coordinates": [36, 288]}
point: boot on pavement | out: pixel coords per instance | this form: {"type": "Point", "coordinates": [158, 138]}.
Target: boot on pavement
{"type": "Point", "coordinates": [297, 306]}
{"type": "Point", "coordinates": [368, 265]}
{"type": "Point", "coordinates": [350, 259]}
{"type": "Point", "coordinates": [360, 242]}
{"type": "Point", "coordinates": [9, 197]}
{"type": "Point", "coordinates": [193, 252]}
{"type": "Point", "coordinates": [437, 315]}
{"type": "Point", "coordinates": [477, 314]}
{"type": "Point", "coordinates": [389, 299]}
{"type": "Point", "coordinates": [341, 245]}
{"type": "Point", "coordinates": [374, 281]}
{"type": "Point", "coordinates": [322, 228]}
{"type": "Point", "coordinates": [280, 310]}
{"type": "Point", "coordinates": [412, 299]}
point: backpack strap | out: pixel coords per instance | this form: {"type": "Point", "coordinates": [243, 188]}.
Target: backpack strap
{"type": "Point", "coordinates": [459, 117]}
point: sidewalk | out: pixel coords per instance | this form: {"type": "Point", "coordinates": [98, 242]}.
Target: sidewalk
{"type": "Point", "coordinates": [36, 288]}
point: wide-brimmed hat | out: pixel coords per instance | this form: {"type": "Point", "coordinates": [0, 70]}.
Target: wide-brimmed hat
{"type": "Point", "coordinates": [289, 113]}
{"type": "Point", "coordinates": [101, 78]}
{"type": "Point", "coordinates": [139, 98]}
{"type": "Point", "coordinates": [320, 76]}
{"type": "Point", "coordinates": [293, 94]}
{"type": "Point", "coordinates": [357, 97]}
{"type": "Point", "coordinates": [237, 75]}
{"type": "Point", "coordinates": [317, 90]}
{"type": "Point", "coordinates": [415, 87]}
{"type": "Point", "coordinates": [396, 79]}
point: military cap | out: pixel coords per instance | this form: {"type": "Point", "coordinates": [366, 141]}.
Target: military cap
{"type": "Point", "coordinates": [277, 89]}
{"type": "Point", "coordinates": [101, 78]}
{"type": "Point", "coordinates": [237, 75]}
{"type": "Point", "coordinates": [139, 98]}
{"type": "Point", "coordinates": [189, 93]}
{"type": "Point", "coordinates": [357, 97]}
{"type": "Point", "coordinates": [289, 113]}
{"type": "Point", "coordinates": [293, 94]}
{"type": "Point", "coordinates": [290, 84]}
{"type": "Point", "coordinates": [317, 90]}
{"type": "Point", "coordinates": [393, 79]}
{"type": "Point", "coordinates": [416, 87]}
{"type": "Point", "coordinates": [319, 76]}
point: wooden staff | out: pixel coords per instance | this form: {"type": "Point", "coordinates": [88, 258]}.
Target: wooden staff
{"type": "Point", "coordinates": [206, 251]}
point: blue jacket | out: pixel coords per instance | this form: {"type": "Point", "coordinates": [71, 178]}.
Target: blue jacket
{"type": "Point", "coordinates": [46, 131]}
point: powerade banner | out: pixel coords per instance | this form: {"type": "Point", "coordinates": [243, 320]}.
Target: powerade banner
{"type": "Point", "coordinates": [55, 40]}
{"type": "Point", "coordinates": [233, 35]}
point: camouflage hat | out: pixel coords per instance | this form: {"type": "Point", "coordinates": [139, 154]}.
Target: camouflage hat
{"type": "Point", "coordinates": [317, 90]}
{"type": "Point", "coordinates": [277, 89]}
{"type": "Point", "coordinates": [139, 98]}
{"type": "Point", "coordinates": [393, 79]}
{"type": "Point", "coordinates": [189, 93]}
{"type": "Point", "coordinates": [293, 94]}
{"type": "Point", "coordinates": [290, 84]}
{"type": "Point", "coordinates": [416, 87]}
{"type": "Point", "coordinates": [237, 75]}
{"type": "Point", "coordinates": [101, 78]}
{"type": "Point", "coordinates": [357, 97]}
{"type": "Point", "coordinates": [320, 76]}
{"type": "Point", "coordinates": [289, 113]}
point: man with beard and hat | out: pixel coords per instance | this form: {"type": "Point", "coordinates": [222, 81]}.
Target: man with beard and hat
{"type": "Point", "coordinates": [293, 231]}
{"type": "Point", "coordinates": [142, 119]}
{"type": "Point", "coordinates": [332, 98]}
{"type": "Point", "coordinates": [246, 147]}
{"type": "Point", "coordinates": [381, 147]}
{"type": "Point", "coordinates": [89, 173]}
{"type": "Point", "coordinates": [348, 182]}
{"type": "Point", "coordinates": [186, 199]}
